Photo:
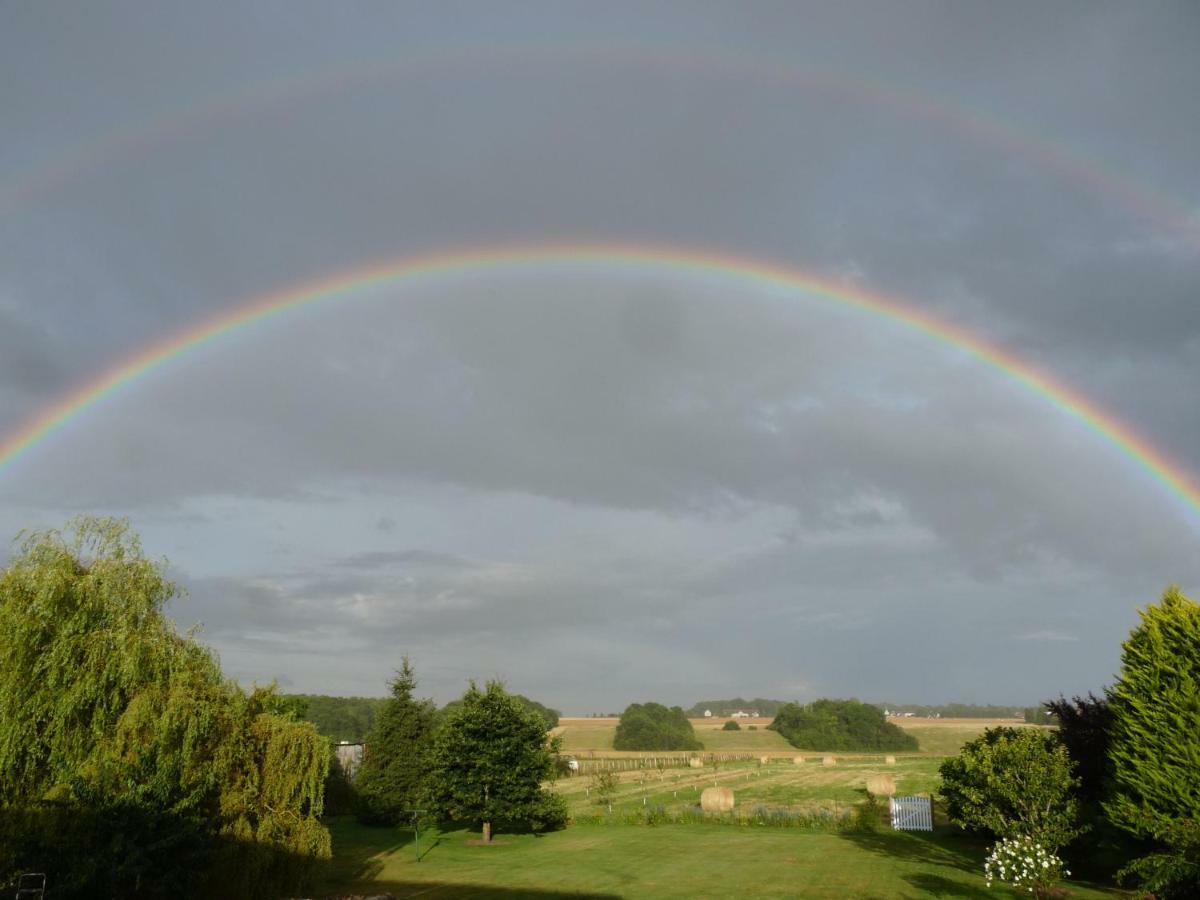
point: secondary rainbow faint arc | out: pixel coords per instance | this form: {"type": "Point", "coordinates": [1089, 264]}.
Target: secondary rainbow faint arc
{"type": "Point", "coordinates": [662, 257]}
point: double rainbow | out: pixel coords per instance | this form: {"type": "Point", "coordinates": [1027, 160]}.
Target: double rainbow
{"type": "Point", "coordinates": [346, 285]}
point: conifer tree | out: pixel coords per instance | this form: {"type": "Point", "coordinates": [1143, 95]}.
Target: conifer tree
{"type": "Point", "coordinates": [391, 778]}
{"type": "Point", "coordinates": [1155, 744]}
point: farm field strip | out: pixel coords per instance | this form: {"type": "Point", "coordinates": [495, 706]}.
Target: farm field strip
{"type": "Point", "coordinates": [780, 786]}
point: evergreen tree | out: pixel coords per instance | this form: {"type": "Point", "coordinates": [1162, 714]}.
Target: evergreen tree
{"type": "Point", "coordinates": [1155, 744]}
{"type": "Point", "coordinates": [488, 761]}
{"type": "Point", "coordinates": [393, 768]}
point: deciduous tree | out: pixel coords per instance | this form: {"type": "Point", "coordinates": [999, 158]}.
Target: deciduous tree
{"type": "Point", "coordinates": [1013, 782]}
{"type": "Point", "coordinates": [488, 761]}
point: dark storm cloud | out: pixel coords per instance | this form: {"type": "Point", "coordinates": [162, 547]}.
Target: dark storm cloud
{"type": "Point", "coordinates": [728, 464]}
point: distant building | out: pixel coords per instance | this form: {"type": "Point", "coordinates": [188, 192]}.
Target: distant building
{"type": "Point", "coordinates": [708, 714]}
{"type": "Point", "coordinates": [743, 714]}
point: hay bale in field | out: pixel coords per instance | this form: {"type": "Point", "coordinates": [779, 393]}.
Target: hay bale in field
{"type": "Point", "coordinates": [829, 760]}
{"type": "Point", "coordinates": [889, 760]}
{"type": "Point", "coordinates": [881, 785]}
{"type": "Point", "coordinates": [696, 763]}
{"type": "Point", "coordinates": [716, 799]}
{"type": "Point", "coordinates": [798, 760]}
{"type": "Point", "coordinates": [764, 760]}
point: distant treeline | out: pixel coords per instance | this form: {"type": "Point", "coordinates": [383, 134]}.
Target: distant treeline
{"type": "Point", "coordinates": [725, 707]}
{"type": "Point", "coordinates": [340, 718]}
{"type": "Point", "coordinates": [955, 710]}
{"type": "Point", "coordinates": [351, 718]}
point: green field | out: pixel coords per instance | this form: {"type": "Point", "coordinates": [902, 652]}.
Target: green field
{"type": "Point", "coordinates": [663, 862]}
{"type": "Point", "coordinates": [602, 855]}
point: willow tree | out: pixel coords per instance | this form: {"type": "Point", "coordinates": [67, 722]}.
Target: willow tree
{"type": "Point", "coordinates": [128, 762]}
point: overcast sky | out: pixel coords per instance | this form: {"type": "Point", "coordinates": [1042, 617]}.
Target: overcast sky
{"type": "Point", "coordinates": [606, 483]}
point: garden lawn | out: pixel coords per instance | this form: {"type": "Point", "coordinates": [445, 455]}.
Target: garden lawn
{"type": "Point", "coordinates": [680, 861]}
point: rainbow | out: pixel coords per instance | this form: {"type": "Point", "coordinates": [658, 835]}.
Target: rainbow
{"type": "Point", "coordinates": [190, 120]}
{"type": "Point", "coordinates": [345, 285]}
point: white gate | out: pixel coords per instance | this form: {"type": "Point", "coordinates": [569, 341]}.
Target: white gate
{"type": "Point", "coordinates": [911, 813]}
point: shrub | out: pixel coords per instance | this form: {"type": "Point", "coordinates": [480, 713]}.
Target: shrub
{"type": "Point", "coordinates": [1025, 864]}
{"type": "Point", "coordinates": [1012, 782]}
{"type": "Point", "coordinates": [603, 786]}
{"type": "Point", "coordinates": [731, 725]}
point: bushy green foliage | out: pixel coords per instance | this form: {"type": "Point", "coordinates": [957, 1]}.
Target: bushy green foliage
{"type": "Point", "coordinates": [390, 782]}
{"type": "Point", "coordinates": [652, 726]}
{"type": "Point", "coordinates": [488, 760]}
{"type": "Point", "coordinates": [549, 716]}
{"type": "Point", "coordinates": [120, 736]}
{"type": "Point", "coordinates": [1012, 782]}
{"type": "Point", "coordinates": [840, 725]}
{"type": "Point", "coordinates": [1155, 744]}
{"type": "Point", "coordinates": [764, 706]}
{"type": "Point", "coordinates": [731, 725]}
{"type": "Point", "coordinates": [341, 718]}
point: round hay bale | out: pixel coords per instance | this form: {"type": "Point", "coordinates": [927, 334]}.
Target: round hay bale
{"type": "Point", "coordinates": [696, 763]}
{"type": "Point", "coordinates": [798, 760]}
{"type": "Point", "coordinates": [764, 760]}
{"type": "Point", "coordinates": [717, 799]}
{"type": "Point", "coordinates": [890, 760]}
{"type": "Point", "coordinates": [881, 785]}
{"type": "Point", "coordinates": [829, 760]}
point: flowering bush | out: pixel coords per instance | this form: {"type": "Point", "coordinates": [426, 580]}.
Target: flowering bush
{"type": "Point", "coordinates": [1025, 864]}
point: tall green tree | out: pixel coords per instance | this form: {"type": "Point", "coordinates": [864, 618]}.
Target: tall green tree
{"type": "Point", "coordinates": [391, 779]}
{"type": "Point", "coordinates": [1154, 749]}
{"type": "Point", "coordinates": [487, 764]}
{"type": "Point", "coordinates": [128, 762]}
{"type": "Point", "coordinates": [1013, 782]}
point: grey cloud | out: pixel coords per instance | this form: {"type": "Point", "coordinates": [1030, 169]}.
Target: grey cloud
{"type": "Point", "coordinates": [622, 467]}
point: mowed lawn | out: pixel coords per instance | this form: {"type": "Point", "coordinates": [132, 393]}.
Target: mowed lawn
{"type": "Point", "coordinates": [662, 862]}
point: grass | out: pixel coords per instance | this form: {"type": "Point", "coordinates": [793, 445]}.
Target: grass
{"type": "Point", "coordinates": [609, 859]}
{"type": "Point", "coordinates": [662, 862]}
